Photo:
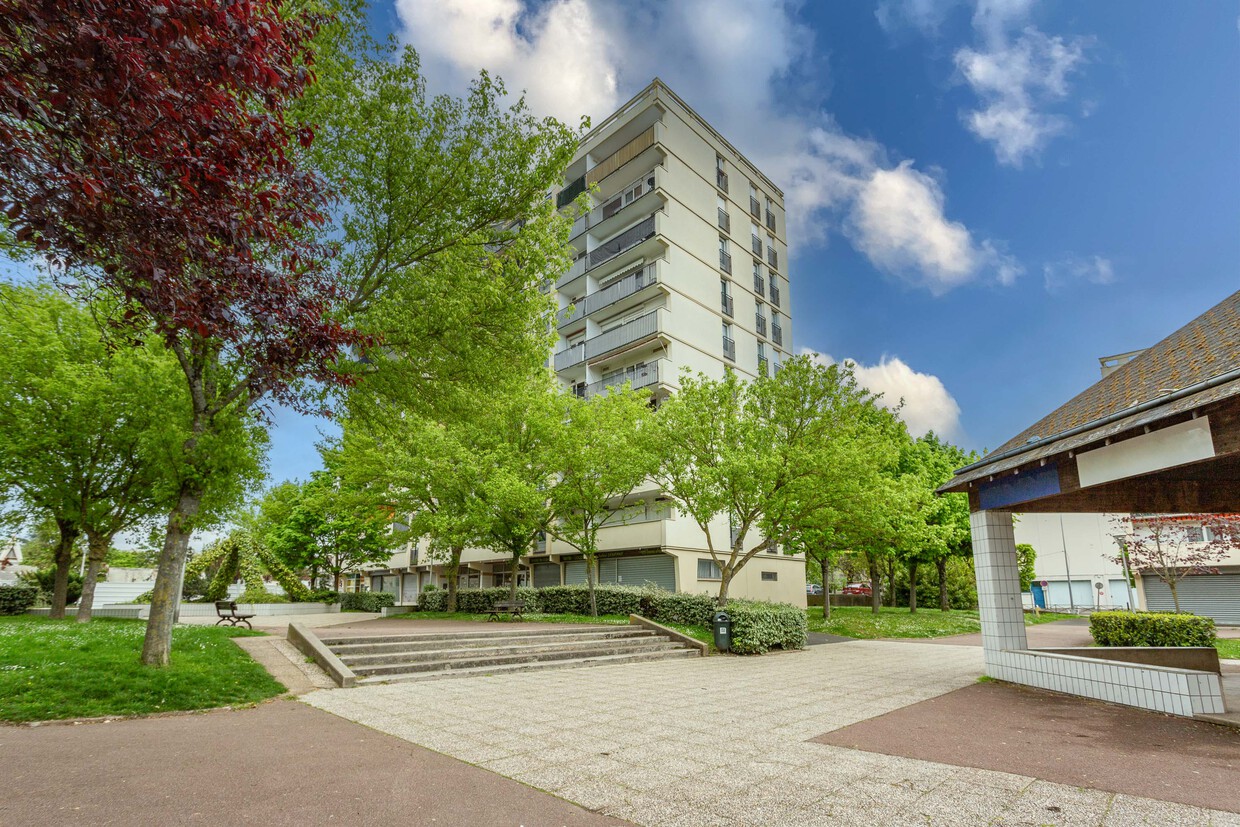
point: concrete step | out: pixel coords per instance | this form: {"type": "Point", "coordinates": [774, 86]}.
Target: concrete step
{"type": "Point", "coordinates": [528, 666]}
{"type": "Point", "coordinates": [531, 646]}
{"type": "Point", "coordinates": [483, 658]}
{"type": "Point", "coordinates": [346, 650]}
{"type": "Point", "coordinates": [484, 633]}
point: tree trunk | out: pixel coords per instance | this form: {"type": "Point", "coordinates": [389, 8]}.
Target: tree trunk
{"type": "Point", "coordinates": [1171, 584]}
{"type": "Point", "coordinates": [591, 577]}
{"type": "Point", "coordinates": [941, 565]}
{"type": "Point", "coordinates": [876, 583]}
{"type": "Point", "coordinates": [454, 570]}
{"type": "Point", "coordinates": [97, 546]}
{"type": "Point", "coordinates": [891, 581]}
{"type": "Point", "coordinates": [64, 561]}
{"type": "Point", "coordinates": [157, 648]}
{"type": "Point", "coordinates": [826, 588]}
{"type": "Point", "coordinates": [912, 585]}
{"type": "Point", "coordinates": [725, 580]}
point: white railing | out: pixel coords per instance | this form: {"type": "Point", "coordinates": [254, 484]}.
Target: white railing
{"type": "Point", "coordinates": [642, 376]}
{"type": "Point", "coordinates": [612, 293]}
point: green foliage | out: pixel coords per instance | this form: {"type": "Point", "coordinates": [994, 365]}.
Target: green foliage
{"type": "Point", "coordinates": [679, 607]}
{"type": "Point", "coordinates": [1150, 629]}
{"type": "Point", "coordinates": [240, 554]}
{"type": "Point", "coordinates": [324, 596]}
{"type": "Point", "coordinates": [261, 596]}
{"type": "Point", "coordinates": [1026, 559]}
{"type": "Point", "coordinates": [55, 670]}
{"type": "Point", "coordinates": [15, 600]}
{"type": "Point", "coordinates": [758, 626]}
{"type": "Point", "coordinates": [45, 579]}
{"type": "Point", "coordinates": [131, 559]}
{"type": "Point", "coordinates": [366, 601]}
{"type": "Point", "coordinates": [891, 622]}
{"type": "Point", "coordinates": [961, 585]}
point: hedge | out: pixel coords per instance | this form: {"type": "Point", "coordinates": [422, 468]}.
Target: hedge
{"type": "Point", "coordinates": [15, 600]}
{"type": "Point", "coordinates": [1150, 629]}
{"type": "Point", "coordinates": [758, 627]}
{"type": "Point", "coordinates": [366, 601]}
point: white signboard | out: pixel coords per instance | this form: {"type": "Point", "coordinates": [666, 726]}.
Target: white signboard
{"type": "Point", "coordinates": [1166, 448]}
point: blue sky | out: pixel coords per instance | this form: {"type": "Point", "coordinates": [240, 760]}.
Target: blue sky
{"type": "Point", "coordinates": [983, 197]}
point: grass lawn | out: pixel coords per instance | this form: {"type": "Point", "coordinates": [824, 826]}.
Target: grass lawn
{"type": "Point", "coordinates": [1229, 648]}
{"type": "Point", "coordinates": [52, 669]}
{"type": "Point", "coordinates": [860, 622]}
{"type": "Point", "coordinates": [701, 633]}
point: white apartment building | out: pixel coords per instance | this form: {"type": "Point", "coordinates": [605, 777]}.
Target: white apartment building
{"type": "Point", "coordinates": [681, 263]}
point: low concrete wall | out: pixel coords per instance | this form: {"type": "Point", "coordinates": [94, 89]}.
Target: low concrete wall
{"type": "Point", "coordinates": [308, 644]}
{"type": "Point", "coordinates": [261, 609]}
{"type": "Point", "coordinates": [679, 637]}
{"type": "Point", "coordinates": [1198, 658]}
{"type": "Point", "coordinates": [388, 611]}
{"type": "Point", "coordinates": [141, 611]}
{"type": "Point", "coordinates": [1185, 692]}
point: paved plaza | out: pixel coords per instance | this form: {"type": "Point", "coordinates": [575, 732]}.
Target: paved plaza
{"type": "Point", "coordinates": [726, 741]}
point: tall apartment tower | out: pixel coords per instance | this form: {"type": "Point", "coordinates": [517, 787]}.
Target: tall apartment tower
{"type": "Point", "coordinates": [681, 263]}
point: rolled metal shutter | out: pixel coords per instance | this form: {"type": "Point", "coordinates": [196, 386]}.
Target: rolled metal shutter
{"type": "Point", "coordinates": [608, 572]}
{"type": "Point", "coordinates": [655, 569]}
{"type": "Point", "coordinates": [1208, 595]}
{"type": "Point", "coordinates": [546, 574]}
{"type": "Point", "coordinates": [575, 573]}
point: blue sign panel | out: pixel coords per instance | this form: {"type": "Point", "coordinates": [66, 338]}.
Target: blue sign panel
{"type": "Point", "coordinates": [1019, 488]}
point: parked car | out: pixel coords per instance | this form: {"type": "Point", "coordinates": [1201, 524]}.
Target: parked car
{"type": "Point", "coordinates": [813, 588]}
{"type": "Point", "coordinates": [857, 588]}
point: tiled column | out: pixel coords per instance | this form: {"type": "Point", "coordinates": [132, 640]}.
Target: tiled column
{"type": "Point", "coordinates": [998, 583]}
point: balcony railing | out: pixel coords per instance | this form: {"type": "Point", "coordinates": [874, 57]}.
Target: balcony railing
{"type": "Point", "coordinates": [759, 285]}
{"type": "Point", "coordinates": [635, 189]}
{"type": "Point", "coordinates": [755, 208]}
{"type": "Point", "coordinates": [612, 293]}
{"type": "Point", "coordinates": [772, 257]}
{"type": "Point", "coordinates": [725, 220]}
{"type": "Point", "coordinates": [618, 244]}
{"type": "Point", "coordinates": [777, 334]}
{"type": "Point", "coordinates": [774, 294]}
{"type": "Point", "coordinates": [721, 178]}
{"type": "Point", "coordinates": [577, 270]}
{"type": "Point", "coordinates": [639, 376]}
{"type": "Point", "coordinates": [725, 261]}
{"type": "Point", "coordinates": [761, 323]}
{"type": "Point", "coordinates": [770, 221]}
{"type": "Point", "coordinates": [570, 356]}
{"type": "Point", "coordinates": [755, 244]}
{"type": "Point", "coordinates": [570, 192]}
{"type": "Point", "coordinates": [640, 328]}
{"type": "Point", "coordinates": [726, 302]}
{"type": "Point", "coordinates": [729, 348]}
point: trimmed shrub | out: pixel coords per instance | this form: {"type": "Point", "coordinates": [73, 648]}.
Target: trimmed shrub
{"type": "Point", "coordinates": [758, 626]}
{"type": "Point", "coordinates": [1150, 629]}
{"type": "Point", "coordinates": [15, 600]}
{"type": "Point", "coordinates": [324, 596]}
{"type": "Point", "coordinates": [45, 581]}
{"type": "Point", "coordinates": [432, 600]}
{"type": "Point", "coordinates": [261, 596]}
{"type": "Point", "coordinates": [678, 607]}
{"type": "Point", "coordinates": [366, 601]}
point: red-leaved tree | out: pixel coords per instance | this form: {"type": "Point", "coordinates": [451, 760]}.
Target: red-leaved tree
{"type": "Point", "coordinates": [144, 150]}
{"type": "Point", "coordinates": [1174, 546]}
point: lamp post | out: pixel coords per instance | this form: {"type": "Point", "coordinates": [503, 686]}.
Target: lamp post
{"type": "Point", "coordinates": [1122, 541]}
{"type": "Point", "coordinates": [1067, 569]}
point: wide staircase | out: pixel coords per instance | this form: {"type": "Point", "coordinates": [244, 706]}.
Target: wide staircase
{"type": "Point", "coordinates": [430, 655]}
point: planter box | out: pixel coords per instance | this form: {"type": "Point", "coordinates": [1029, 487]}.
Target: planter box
{"type": "Point", "coordinates": [132, 610]}
{"type": "Point", "coordinates": [1198, 658]}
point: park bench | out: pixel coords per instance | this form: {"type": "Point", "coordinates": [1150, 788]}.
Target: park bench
{"type": "Point", "coordinates": [511, 609]}
{"type": "Point", "coordinates": [227, 610]}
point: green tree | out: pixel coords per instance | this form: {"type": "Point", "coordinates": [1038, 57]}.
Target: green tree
{"type": "Point", "coordinates": [1026, 561]}
{"type": "Point", "coordinates": [767, 456]}
{"type": "Point", "coordinates": [242, 554]}
{"type": "Point", "coordinates": [602, 457]}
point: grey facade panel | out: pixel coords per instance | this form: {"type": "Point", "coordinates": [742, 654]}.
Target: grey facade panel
{"type": "Point", "coordinates": [575, 573]}
{"type": "Point", "coordinates": [1209, 595]}
{"type": "Point", "coordinates": [546, 574]}
{"type": "Point", "coordinates": [654, 569]}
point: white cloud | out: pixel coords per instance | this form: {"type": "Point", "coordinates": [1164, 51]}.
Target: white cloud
{"type": "Point", "coordinates": [928, 406]}
{"type": "Point", "coordinates": [584, 57]}
{"type": "Point", "coordinates": [1092, 269]}
{"type": "Point", "coordinates": [1016, 80]}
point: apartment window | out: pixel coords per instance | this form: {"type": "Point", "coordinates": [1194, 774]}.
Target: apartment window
{"type": "Point", "coordinates": [725, 221]}
{"type": "Point", "coordinates": [1194, 534]}
{"type": "Point", "coordinates": [725, 257]}
{"type": "Point", "coordinates": [721, 175]}
{"type": "Point", "coordinates": [755, 241]}
{"type": "Point", "coordinates": [709, 570]}
{"type": "Point", "coordinates": [770, 215]}
{"type": "Point", "coordinates": [755, 208]}
{"type": "Point", "coordinates": [772, 258]}
{"type": "Point", "coordinates": [725, 297]}
{"type": "Point", "coordinates": [777, 330]}
{"type": "Point", "coordinates": [770, 575]}
{"type": "Point", "coordinates": [760, 318]}
{"type": "Point", "coordinates": [762, 358]}
{"type": "Point", "coordinates": [729, 343]}
{"type": "Point", "coordinates": [759, 284]}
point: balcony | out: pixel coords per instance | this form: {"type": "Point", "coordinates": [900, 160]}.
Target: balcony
{"type": "Point", "coordinates": [755, 209]}
{"type": "Point", "coordinates": [611, 294]}
{"type": "Point", "coordinates": [638, 376]}
{"type": "Point", "coordinates": [770, 221]}
{"type": "Point", "coordinates": [570, 191]}
{"type": "Point", "coordinates": [608, 216]}
{"type": "Point", "coordinates": [643, 327]}
{"type": "Point", "coordinates": [759, 285]}
{"type": "Point", "coordinates": [729, 348]}
{"type": "Point", "coordinates": [772, 257]}
{"type": "Point", "coordinates": [721, 178]}
{"type": "Point", "coordinates": [618, 244]}
{"type": "Point", "coordinates": [774, 294]}
{"type": "Point", "coordinates": [777, 334]}
{"type": "Point", "coordinates": [761, 324]}
{"type": "Point", "coordinates": [570, 356]}
{"type": "Point", "coordinates": [755, 244]}
{"type": "Point", "coordinates": [725, 220]}
{"type": "Point", "coordinates": [725, 261]}
{"type": "Point", "coordinates": [726, 303]}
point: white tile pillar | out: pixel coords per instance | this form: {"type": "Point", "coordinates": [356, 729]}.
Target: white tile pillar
{"type": "Point", "coordinates": [998, 583]}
